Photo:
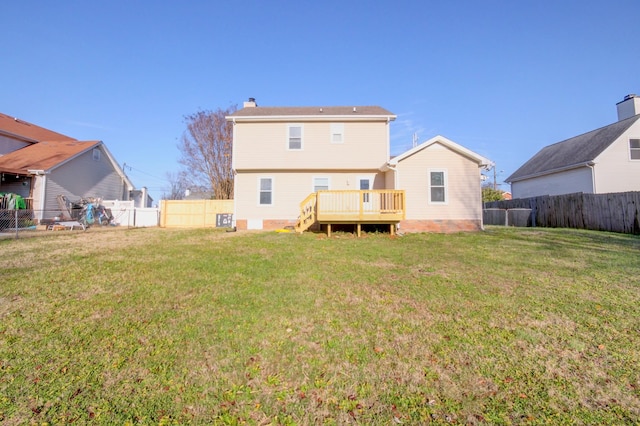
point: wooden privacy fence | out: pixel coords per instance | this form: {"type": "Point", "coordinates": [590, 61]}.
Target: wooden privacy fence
{"type": "Point", "coordinates": [193, 213]}
{"type": "Point", "coordinates": [614, 212]}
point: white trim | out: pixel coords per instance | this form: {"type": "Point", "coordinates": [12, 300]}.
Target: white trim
{"type": "Point", "coordinates": [482, 161]}
{"type": "Point", "coordinates": [289, 127]}
{"type": "Point", "coordinates": [445, 177]}
{"type": "Point", "coordinates": [260, 191]}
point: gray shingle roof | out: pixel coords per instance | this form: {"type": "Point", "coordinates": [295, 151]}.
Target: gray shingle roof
{"type": "Point", "coordinates": [574, 151]}
{"type": "Point", "coordinates": [311, 111]}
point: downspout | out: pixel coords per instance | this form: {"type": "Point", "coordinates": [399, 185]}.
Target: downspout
{"type": "Point", "coordinates": [234, 172]}
{"type": "Point", "coordinates": [591, 165]}
{"type": "Point", "coordinates": [396, 185]}
{"type": "Point", "coordinates": [388, 139]}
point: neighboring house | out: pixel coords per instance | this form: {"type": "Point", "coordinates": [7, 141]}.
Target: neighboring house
{"type": "Point", "coordinates": [331, 165]}
{"type": "Point", "coordinates": [602, 161]}
{"type": "Point", "coordinates": [40, 165]}
{"type": "Point", "coordinates": [198, 195]}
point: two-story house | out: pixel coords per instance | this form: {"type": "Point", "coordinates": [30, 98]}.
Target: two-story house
{"type": "Point", "coordinates": [303, 166]}
{"type": "Point", "coordinates": [601, 161]}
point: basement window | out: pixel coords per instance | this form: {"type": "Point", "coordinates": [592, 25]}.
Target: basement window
{"type": "Point", "coordinates": [634, 149]}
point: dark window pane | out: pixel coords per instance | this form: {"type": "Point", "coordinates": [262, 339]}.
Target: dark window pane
{"type": "Point", "coordinates": [265, 198]}
{"type": "Point", "coordinates": [437, 195]}
{"type": "Point", "coordinates": [437, 178]}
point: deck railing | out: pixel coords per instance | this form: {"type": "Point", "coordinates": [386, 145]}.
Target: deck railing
{"type": "Point", "coordinates": [365, 206]}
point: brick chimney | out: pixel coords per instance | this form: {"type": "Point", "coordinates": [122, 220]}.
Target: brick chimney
{"type": "Point", "coordinates": [628, 107]}
{"type": "Point", "coordinates": [251, 103]}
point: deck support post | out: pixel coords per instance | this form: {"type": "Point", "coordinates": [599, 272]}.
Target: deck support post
{"type": "Point", "coordinates": [328, 230]}
{"type": "Point", "coordinates": [358, 229]}
{"type": "Point", "coordinates": [392, 229]}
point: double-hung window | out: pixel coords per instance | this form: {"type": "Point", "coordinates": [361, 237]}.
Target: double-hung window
{"type": "Point", "coordinates": [265, 189]}
{"type": "Point", "coordinates": [320, 184]}
{"type": "Point", "coordinates": [634, 149]}
{"type": "Point", "coordinates": [437, 186]}
{"type": "Point", "coordinates": [294, 141]}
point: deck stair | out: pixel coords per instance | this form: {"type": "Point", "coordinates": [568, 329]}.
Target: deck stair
{"type": "Point", "coordinates": [307, 213]}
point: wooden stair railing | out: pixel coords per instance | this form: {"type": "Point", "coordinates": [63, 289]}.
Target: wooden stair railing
{"type": "Point", "coordinates": [307, 213]}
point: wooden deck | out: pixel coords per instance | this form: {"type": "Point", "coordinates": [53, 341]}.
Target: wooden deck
{"type": "Point", "coordinates": [378, 206]}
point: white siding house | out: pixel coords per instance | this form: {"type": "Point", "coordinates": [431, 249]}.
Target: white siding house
{"type": "Point", "coordinates": [601, 161]}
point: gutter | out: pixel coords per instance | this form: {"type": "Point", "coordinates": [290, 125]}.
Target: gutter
{"type": "Point", "coordinates": [19, 137]}
{"type": "Point", "coordinates": [305, 118]}
{"type": "Point", "coordinates": [549, 172]}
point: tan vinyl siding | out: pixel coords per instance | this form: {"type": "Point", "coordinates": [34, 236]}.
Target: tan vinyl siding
{"type": "Point", "coordinates": [464, 200]}
{"type": "Point", "coordinates": [260, 145]}
{"type": "Point", "coordinates": [390, 180]}
{"type": "Point", "coordinates": [84, 177]}
{"type": "Point", "coordinates": [290, 189]}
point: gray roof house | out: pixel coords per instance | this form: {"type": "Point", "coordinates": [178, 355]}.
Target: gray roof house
{"type": "Point", "coordinates": [601, 161]}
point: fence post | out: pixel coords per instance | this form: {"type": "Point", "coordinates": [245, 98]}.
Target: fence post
{"type": "Point", "coordinates": [16, 222]}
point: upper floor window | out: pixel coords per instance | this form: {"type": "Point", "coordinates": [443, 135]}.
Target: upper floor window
{"type": "Point", "coordinates": [96, 154]}
{"type": "Point", "coordinates": [266, 191]}
{"type": "Point", "coordinates": [634, 149]}
{"type": "Point", "coordinates": [437, 186]}
{"type": "Point", "coordinates": [295, 136]}
{"type": "Point", "coordinates": [337, 132]}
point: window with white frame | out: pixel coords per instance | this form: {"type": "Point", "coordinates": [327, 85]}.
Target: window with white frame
{"type": "Point", "coordinates": [265, 190]}
{"type": "Point", "coordinates": [337, 132]}
{"type": "Point", "coordinates": [320, 184]}
{"type": "Point", "coordinates": [96, 154]}
{"type": "Point", "coordinates": [294, 136]}
{"type": "Point", "coordinates": [437, 186]}
{"type": "Point", "coordinates": [634, 149]}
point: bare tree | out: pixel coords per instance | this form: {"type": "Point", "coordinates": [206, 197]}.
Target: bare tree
{"type": "Point", "coordinates": [178, 186]}
{"type": "Point", "coordinates": [206, 151]}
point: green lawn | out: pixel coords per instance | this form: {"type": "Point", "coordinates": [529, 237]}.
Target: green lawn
{"type": "Point", "coordinates": [156, 326]}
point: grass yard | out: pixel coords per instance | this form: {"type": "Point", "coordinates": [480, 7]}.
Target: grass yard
{"type": "Point", "coordinates": [156, 326]}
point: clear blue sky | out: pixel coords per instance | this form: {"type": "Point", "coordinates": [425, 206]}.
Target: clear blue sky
{"type": "Point", "coordinates": [502, 78]}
